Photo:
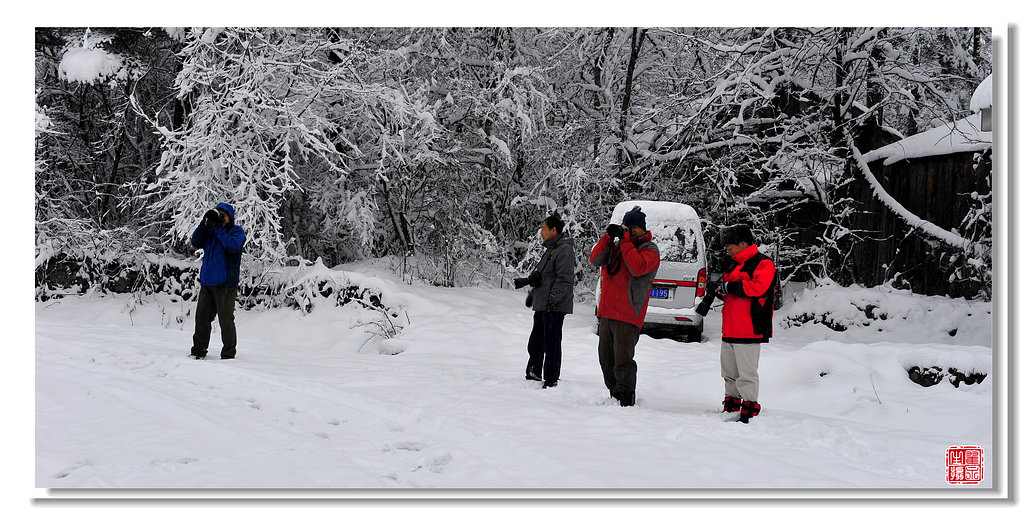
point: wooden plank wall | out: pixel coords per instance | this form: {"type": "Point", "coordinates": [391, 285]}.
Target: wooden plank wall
{"type": "Point", "coordinates": [936, 189]}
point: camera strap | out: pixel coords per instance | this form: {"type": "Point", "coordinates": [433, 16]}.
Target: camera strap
{"type": "Point", "coordinates": [614, 260]}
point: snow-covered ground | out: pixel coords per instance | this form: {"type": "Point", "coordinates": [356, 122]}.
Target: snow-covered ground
{"type": "Point", "coordinates": [311, 402]}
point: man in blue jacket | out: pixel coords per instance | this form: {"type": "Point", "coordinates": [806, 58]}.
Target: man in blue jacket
{"type": "Point", "coordinates": [221, 241]}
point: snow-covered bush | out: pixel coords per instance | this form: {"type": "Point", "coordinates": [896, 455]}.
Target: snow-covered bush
{"type": "Point", "coordinates": [306, 286]}
{"type": "Point", "coordinates": [74, 258]}
{"type": "Point", "coordinates": [890, 312]}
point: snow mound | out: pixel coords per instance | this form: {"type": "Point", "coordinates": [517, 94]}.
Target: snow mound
{"type": "Point", "coordinates": [88, 65]}
{"type": "Point", "coordinates": [43, 121]}
{"type": "Point", "coordinates": [982, 97]}
{"type": "Point", "coordinates": [974, 359]}
{"type": "Point", "coordinates": [894, 315]}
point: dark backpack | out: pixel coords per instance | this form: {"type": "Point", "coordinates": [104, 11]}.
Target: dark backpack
{"type": "Point", "coordinates": [761, 315]}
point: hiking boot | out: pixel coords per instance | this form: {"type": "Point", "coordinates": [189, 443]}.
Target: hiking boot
{"type": "Point", "coordinates": [731, 404]}
{"type": "Point", "coordinates": [197, 357]}
{"type": "Point", "coordinates": [749, 410]}
{"type": "Point", "coordinates": [548, 385]}
{"type": "Point", "coordinates": [533, 376]}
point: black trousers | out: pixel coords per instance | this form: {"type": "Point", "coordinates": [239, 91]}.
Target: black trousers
{"type": "Point", "coordinates": [545, 346]}
{"type": "Point", "coordinates": [616, 346]}
{"type": "Point", "coordinates": [215, 301]}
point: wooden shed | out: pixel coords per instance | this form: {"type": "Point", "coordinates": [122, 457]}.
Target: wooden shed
{"type": "Point", "coordinates": [933, 174]}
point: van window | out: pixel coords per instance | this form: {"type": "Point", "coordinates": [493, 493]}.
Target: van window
{"type": "Point", "coordinates": [680, 245]}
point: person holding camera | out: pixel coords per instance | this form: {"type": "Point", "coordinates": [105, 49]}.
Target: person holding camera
{"type": "Point", "coordinates": [221, 241]}
{"type": "Point", "coordinates": [629, 261]}
{"type": "Point", "coordinates": [748, 290]}
{"type": "Point", "coordinates": [551, 299]}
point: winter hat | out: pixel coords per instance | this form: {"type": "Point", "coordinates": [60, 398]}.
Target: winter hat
{"type": "Point", "coordinates": [635, 218]}
{"type": "Point", "coordinates": [736, 234]}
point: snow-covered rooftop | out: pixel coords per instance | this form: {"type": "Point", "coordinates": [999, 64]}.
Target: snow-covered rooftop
{"type": "Point", "coordinates": [964, 135]}
{"type": "Point", "coordinates": [657, 211]}
{"type": "Point", "coordinates": [676, 227]}
{"type": "Point", "coordinates": [982, 97]}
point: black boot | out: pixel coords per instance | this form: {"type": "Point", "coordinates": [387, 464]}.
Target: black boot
{"type": "Point", "coordinates": [627, 398]}
{"type": "Point", "coordinates": [749, 409]}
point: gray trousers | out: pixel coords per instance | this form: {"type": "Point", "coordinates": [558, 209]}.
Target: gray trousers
{"type": "Point", "coordinates": [739, 369]}
{"type": "Point", "coordinates": [615, 348]}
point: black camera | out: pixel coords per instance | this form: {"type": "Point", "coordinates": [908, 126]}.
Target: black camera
{"type": "Point", "coordinates": [533, 280]}
{"type": "Point", "coordinates": [709, 298]}
{"type": "Point", "coordinates": [615, 231]}
{"type": "Point", "coordinates": [213, 218]}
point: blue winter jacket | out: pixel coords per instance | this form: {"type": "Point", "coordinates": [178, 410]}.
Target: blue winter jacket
{"type": "Point", "coordinates": [222, 251]}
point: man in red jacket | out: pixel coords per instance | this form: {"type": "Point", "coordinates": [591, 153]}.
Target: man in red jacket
{"type": "Point", "coordinates": [748, 289]}
{"type": "Point", "coordinates": [629, 261]}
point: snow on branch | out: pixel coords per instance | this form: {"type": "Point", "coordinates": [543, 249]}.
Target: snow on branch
{"type": "Point", "coordinates": [916, 223]}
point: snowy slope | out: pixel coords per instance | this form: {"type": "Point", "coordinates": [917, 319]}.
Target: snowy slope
{"type": "Point", "coordinates": [119, 404]}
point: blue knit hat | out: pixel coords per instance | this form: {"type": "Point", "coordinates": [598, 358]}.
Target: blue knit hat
{"type": "Point", "coordinates": [635, 218]}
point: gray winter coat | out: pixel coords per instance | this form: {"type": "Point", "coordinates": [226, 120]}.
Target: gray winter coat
{"type": "Point", "coordinates": [557, 268]}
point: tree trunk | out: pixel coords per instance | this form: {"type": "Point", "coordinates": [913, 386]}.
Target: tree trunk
{"type": "Point", "coordinates": [635, 45]}
{"type": "Point", "coordinates": [598, 70]}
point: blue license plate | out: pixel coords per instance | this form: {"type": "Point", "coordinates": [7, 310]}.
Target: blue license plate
{"type": "Point", "coordinates": [659, 293]}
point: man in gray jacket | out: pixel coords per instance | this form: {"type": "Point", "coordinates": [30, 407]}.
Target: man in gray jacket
{"type": "Point", "coordinates": [552, 298]}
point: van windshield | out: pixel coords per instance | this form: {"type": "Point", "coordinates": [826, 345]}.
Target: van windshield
{"type": "Point", "coordinates": [677, 243]}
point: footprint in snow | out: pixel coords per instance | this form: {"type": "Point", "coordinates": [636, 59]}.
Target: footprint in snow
{"type": "Point", "coordinates": [404, 446]}
{"type": "Point", "coordinates": [437, 464]}
{"type": "Point", "coordinates": [67, 471]}
{"type": "Point", "coordinates": [172, 463]}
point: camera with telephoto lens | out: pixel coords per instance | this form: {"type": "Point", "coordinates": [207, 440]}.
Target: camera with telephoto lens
{"type": "Point", "coordinates": [533, 280]}
{"type": "Point", "coordinates": [709, 298]}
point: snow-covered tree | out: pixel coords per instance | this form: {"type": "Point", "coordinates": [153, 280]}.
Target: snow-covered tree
{"type": "Point", "coordinates": [257, 109]}
{"type": "Point", "coordinates": [449, 145]}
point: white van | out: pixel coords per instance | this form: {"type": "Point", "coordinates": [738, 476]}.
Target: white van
{"type": "Point", "coordinates": [682, 277]}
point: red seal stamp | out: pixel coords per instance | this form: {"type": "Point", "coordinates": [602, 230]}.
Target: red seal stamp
{"type": "Point", "coordinates": [965, 464]}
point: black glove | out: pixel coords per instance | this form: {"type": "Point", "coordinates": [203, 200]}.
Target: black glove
{"type": "Point", "coordinates": [736, 288]}
{"type": "Point", "coordinates": [520, 282]}
{"type": "Point", "coordinates": [212, 218]}
{"type": "Point", "coordinates": [616, 231]}
{"type": "Point", "coordinates": [550, 307]}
